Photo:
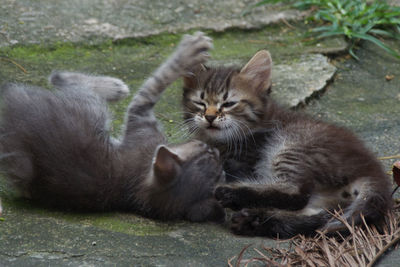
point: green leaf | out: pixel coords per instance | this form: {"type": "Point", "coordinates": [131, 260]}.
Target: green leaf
{"type": "Point", "coordinates": [351, 52]}
{"type": "Point", "coordinates": [355, 19]}
{"type": "Point", "coordinates": [385, 33]}
{"type": "Point", "coordinates": [324, 28]}
{"type": "Point", "coordinates": [378, 43]}
{"type": "Point", "coordinates": [329, 34]}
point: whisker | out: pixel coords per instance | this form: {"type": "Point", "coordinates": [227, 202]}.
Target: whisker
{"type": "Point", "coordinates": [250, 132]}
{"type": "Point", "coordinates": [239, 138]}
{"type": "Point", "coordinates": [234, 176]}
{"type": "Point", "coordinates": [186, 130]}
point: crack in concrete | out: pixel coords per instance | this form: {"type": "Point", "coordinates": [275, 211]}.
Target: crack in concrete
{"type": "Point", "coordinates": [43, 254]}
{"type": "Point", "coordinates": [156, 255]}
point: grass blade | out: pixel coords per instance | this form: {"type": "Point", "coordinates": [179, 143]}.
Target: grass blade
{"type": "Point", "coordinates": [377, 42]}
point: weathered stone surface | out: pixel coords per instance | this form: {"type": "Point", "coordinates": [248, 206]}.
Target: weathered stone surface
{"type": "Point", "coordinates": [329, 46]}
{"type": "Point", "coordinates": [296, 81]}
{"type": "Point", "coordinates": [30, 237]}
{"type": "Point", "coordinates": [361, 99]}
{"type": "Point", "coordinates": [23, 22]}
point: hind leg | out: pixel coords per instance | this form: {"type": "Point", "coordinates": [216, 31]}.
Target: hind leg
{"type": "Point", "coordinates": [276, 224]}
{"type": "Point", "coordinates": [109, 88]}
{"type": "Point", "coordinates": [288, 196]}
{"type": "Point", "coordinates": [91, 91]}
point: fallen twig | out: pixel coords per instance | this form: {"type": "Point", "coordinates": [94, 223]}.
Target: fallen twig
{"type": "Point", "coordinates": [287, 23]}
{"type": "Point", "coordinates": [390, 157]}
{"type": "Point", "coordinates": [383, 250]}
{"type": "Point", "coordinates": [362, 247]}
{"type": "Point", "coordinates": [15, 63]}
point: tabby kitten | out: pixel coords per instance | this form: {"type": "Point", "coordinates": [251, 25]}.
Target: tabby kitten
{"type": "Point", "coordinates": [287, 170]}
{"type": "Point", "coordinates": [56, 147]}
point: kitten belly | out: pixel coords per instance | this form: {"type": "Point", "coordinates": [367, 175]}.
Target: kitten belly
{"type": "Point", "coordinates": [263, 168]}
{"type": "Point", "coordinates": [327, 200]}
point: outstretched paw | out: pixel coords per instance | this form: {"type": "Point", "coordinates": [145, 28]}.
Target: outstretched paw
{"type": "Point", "coordinates": [247, 222]}
{"type": "Point", "coordinates": [227, 197]}
{"type": "Point", "coordinates": [109, 88]}
{"type": "Point", "coordinates": [193, 50]}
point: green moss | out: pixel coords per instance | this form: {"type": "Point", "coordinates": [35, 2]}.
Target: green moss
{"type": "Point", "coordinates": [133, 225]}
{"type": "Point", "coordinates": [111, 221]}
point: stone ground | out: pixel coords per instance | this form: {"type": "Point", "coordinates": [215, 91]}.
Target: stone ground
{"type": "Point", "coordinates": [128, 39]}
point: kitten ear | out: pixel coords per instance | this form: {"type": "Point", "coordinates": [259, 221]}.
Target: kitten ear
{"type": "Point", "coordinates": [166, 165]}
{"type": "Point", "coordinates": [190, 79]}
{"type": "Point", "coordinates": [258, 71]}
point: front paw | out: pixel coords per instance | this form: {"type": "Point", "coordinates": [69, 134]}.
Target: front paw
{"type": "Point", "coordinates": [227, 197]}
{"type": "Point", "coordinates": [193, 50]}
{"type": "Point", "coordinates": [246, 222]}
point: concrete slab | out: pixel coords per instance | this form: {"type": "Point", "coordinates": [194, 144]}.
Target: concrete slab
{"type": "Point", "coordinates": [362, 99]}
{"type": "Point", "coordinates": [93, 21]}
{"type": "Point", "coordinates": [295, 82]}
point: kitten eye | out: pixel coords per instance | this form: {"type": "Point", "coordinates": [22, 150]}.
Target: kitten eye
{"type": "Point", "coordinates": [200, 104]}
{"type": "Point", "coordinates": [228, 104]}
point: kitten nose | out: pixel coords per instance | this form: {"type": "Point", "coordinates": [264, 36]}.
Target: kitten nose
{"type": "Point", "coordinates": [210, 118]}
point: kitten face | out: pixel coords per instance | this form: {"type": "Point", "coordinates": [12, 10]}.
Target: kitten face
{"type": "Point", "coordinates": [185, 176]}
{"type": "Point", "coordinates": [226, 104]}
{"type": "Point", "coordinates": [217, 111]}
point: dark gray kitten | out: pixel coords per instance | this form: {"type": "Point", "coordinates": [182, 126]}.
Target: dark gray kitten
{"type": "Point", "coordinates": [56, 146]}
{"type": "Point", "coordinates": [287, 169]}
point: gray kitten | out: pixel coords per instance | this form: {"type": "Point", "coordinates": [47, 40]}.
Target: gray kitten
{"type": "Point", "coordinates": [56, 146]}
{"type": "Point", "coordinates": [287, 170]}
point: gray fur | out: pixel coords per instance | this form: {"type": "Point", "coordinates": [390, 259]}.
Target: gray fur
{"type": "Point", "coordinates": [286, 169]}
{"type": "Point", "coordinates": [56, 146]}
{"type": "Point", "coordinates": [109, 88]}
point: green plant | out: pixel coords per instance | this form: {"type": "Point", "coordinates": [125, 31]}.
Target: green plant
{"type": "Point", "coordinates": [355, 19]}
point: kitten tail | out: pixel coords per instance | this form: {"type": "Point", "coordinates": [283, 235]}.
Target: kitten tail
{"type": "Point", "coordinates": [370, 204]}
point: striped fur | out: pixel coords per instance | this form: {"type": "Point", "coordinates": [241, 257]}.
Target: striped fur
{"type": "Point", "coordinates": [286, 169]}
{"type": "Point", "coordinates": [56, 146]}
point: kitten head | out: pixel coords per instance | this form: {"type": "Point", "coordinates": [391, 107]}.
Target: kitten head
{"type": "Point", "coordinates": [223, 104]}
{"type": "Point", "coordinates": [183, 181]}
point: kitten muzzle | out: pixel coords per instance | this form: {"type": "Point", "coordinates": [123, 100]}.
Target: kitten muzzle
{"type": "Point", "coordinates": [213, 128]}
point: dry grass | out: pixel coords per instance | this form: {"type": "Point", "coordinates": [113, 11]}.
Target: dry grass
{"type": "Point", "coordinates": [362, 247]}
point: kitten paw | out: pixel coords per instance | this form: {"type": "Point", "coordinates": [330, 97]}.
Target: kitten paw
{"type": "Point", "coordinates": [192, 51]}
{"type": "Point", "coordinates": [109, 88]}
{"type": "Point", "coordinates": [226, 196]}
{"type": "Point", "coordinates": [246, 222]}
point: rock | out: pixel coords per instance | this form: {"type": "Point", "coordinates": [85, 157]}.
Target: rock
{"type": "Point", "coordinates": [294, 82]}
{"type": "Point", "coordinates": [76, 20]}
{"type": "Point", "coordinates": [329, 46]}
